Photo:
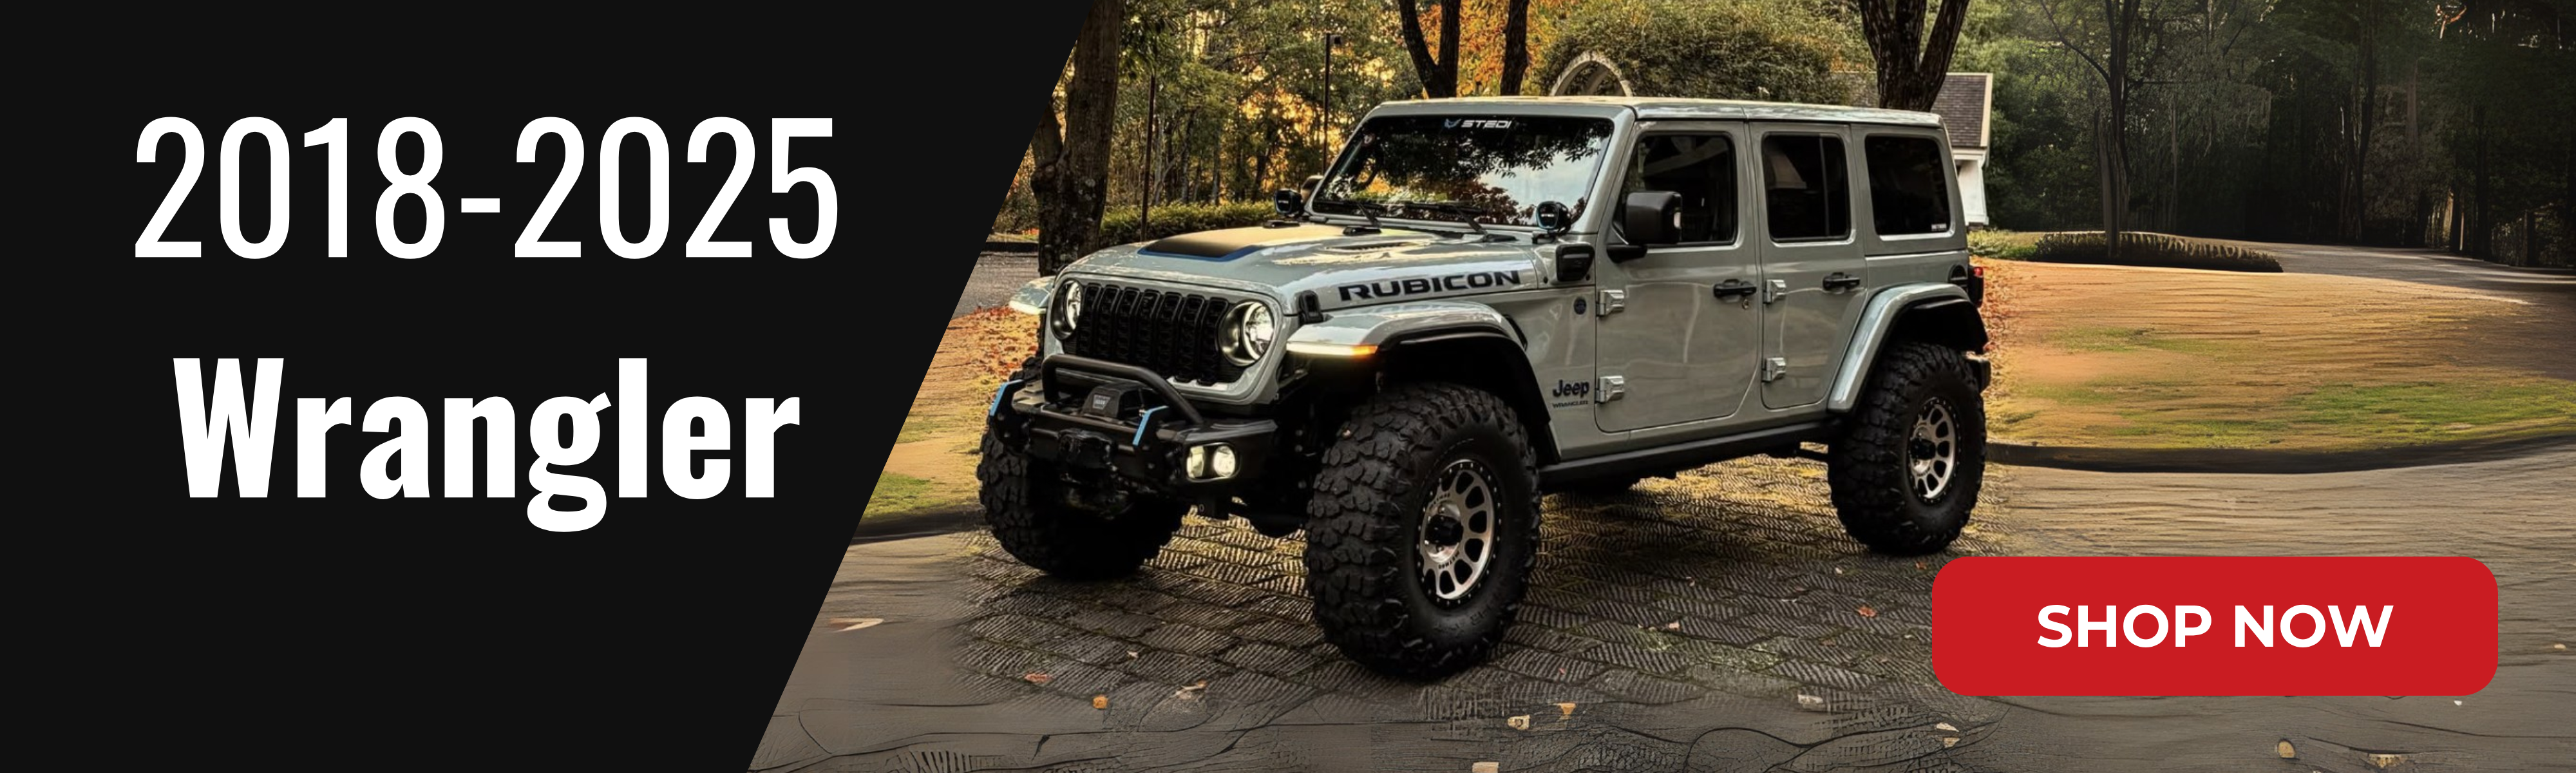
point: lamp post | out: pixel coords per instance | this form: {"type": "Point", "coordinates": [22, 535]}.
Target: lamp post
{"type": "Point", "coordinates": [1324, 114]}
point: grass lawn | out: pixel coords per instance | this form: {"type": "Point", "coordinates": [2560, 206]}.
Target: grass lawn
{"type": "Point", "coordinates": [932, 466]}
{"type": "Point", "coordinates": [2091, 356]}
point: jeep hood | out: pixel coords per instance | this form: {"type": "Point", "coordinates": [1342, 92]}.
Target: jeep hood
{"type": "Point", "coordinates": [1342, 269]}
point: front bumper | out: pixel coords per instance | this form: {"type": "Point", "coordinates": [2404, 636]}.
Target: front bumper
{"type": "Point", "coordinates": [1103, 423]}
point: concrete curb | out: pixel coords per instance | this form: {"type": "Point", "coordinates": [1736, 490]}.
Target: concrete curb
{"type": "Point", "coordinates": [2263, 461]}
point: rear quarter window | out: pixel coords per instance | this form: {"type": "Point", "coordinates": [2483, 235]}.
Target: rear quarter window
{"type": "Point", "coordinates": [1909, 184]}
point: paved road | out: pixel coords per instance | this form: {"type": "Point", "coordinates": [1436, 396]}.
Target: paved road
{"type": "Point", "coordinates": [997, 275]}
{"type": "Point", "coordinates": [2425, 266]}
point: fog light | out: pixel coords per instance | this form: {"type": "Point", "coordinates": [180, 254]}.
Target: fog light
{"type": "Point", "coordinates": [1198, 462]}
{"type": "Point", "coordinates": [1221, 461]}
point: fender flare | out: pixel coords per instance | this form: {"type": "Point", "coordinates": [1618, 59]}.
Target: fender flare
{"type": "Point", "coordinates": [1878, 324]}
{"type": "Point", "coordinates": [1402, 322]}
{"type": "Point", "coordinates": [1032, 298]}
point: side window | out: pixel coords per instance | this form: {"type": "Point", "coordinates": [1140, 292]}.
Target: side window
{"type": "Point", "coordinates": [1700, 167]}
{"type": "Point", "coordinates": [1909, 184]}
{"type": "Point", "coordinates": [1806, 186]}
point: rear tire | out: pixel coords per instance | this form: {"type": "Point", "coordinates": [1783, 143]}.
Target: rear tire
{"type": "Point", "coordinates": [1908, 467]}
{"type": "Point", "coordinates": [1422, 529]}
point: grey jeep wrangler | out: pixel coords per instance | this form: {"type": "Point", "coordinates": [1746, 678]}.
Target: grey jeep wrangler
{"type": "Point", "coordinates": [1451, 322]}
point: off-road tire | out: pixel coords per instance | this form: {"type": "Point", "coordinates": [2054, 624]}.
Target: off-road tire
{"type": "Point", "coordinates": [1024, 504]}
{"type": "Point", "coordinates": [1873, 485]}
{"type": "Point", "coordinates": [1365, 521]}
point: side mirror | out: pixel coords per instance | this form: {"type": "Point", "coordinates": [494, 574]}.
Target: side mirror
{"type": "Point", "coordinates": [1288, 202]}
{"type": "Point", "coordinates": [1651, 217]}
{"type": "Point", "coordinates": [1313, 182]}
{"type": "Point", "coordinates": [1554, 217]}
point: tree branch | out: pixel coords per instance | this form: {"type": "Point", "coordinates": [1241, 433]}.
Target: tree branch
{"type": "Point", "coordinates": [1424, 68]}
{"type": "Point", "coordinates": [2048, 10]}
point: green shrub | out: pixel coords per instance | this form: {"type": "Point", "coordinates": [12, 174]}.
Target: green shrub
{"type": "Point", "coordinates": [1118, 226]}
{"type": "Point", "coordinates": [2002, 245]}
{"type": "Point", "coordinates": [2138, 248]}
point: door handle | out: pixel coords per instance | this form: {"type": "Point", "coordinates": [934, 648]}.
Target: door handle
{"type": "Point", "coordinates": [1732, 287]}
{"type": "Point", "coordinates": [1841, 281]}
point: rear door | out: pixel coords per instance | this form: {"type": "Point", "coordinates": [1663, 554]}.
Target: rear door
{"type": "Point", "coordinates": [1814, 279]}
{"type": "Point", "coordinates": [1678, 350]}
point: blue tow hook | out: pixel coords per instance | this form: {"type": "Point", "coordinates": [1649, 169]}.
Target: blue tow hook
{"type": "Point", "coordinates": [1144, 421]}
{"type": "Point", "coordinates": [998, 394]}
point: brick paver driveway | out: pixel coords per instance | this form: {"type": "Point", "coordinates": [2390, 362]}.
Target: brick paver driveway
{"type": "Point", "coordinates": [1710, 623]}
{"type": "Point", "coordinates": [1729, 591]}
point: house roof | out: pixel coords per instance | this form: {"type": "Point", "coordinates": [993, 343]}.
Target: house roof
{"type": "Point", "coordinates": [1965, 104]}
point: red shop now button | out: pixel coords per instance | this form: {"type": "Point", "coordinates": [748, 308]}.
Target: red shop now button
{"type": "Point", "coordinates": [2214, 626]}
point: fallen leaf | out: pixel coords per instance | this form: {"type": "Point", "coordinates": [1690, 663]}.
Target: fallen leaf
{"type": "Point", "coordinates": [1838, 570]}
{"type": "Point", "coordinates": [2384, 760]}
{"type": "Point", "coordinates": [1918, 566]}
{"type": "Point", "coordinates": [856, 623]}
{"type": "Point", "coordinates": [1946, 726]}
{"type": "Point", "coordinates": [1038, 678]}
{"type": "Point", "coordinates": [2558, 646]}
{"type": "Point", "coordinates": [1100, 701]}
{"type": "Point", "coordinates": [2287, 751]}
{"type": "Point", "coordinates": [1568, 708]}
{"type": "Point", "coordinates": [1865, 611]}
{"type": "Point", "coordinates": [1521, 722]}
{"type": "Point", "coordinates": [1810, 702]}
{"type": "Point", "coordinates": [1485, 767]}
{"type": "Point", "coordinates": [2457, 703]}
{"type": "Point", "coordinates": [1949, 742]}
{"type": "Point", "coordinates": [1131, 654]}
{"type": "Point", "coordinates": [1673, 626]}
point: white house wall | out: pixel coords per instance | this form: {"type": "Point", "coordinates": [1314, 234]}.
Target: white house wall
{"type": "Point", "coordinates": [1972, 185]}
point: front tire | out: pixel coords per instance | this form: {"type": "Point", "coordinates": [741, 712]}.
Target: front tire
{"type": "Point", "coordinates": [1907, 469]}
{"type": "Point", "coordinates": [1422, 529]}
{"type": "Point", "coordinates": [1025, 504]}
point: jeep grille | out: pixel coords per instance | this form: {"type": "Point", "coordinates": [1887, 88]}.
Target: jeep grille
{"type": "Point", "coordinates": [1169, 332]}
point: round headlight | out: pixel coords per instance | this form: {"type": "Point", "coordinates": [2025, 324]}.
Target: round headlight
{"type": "Point", "coordinates": [1068, 311]}
{"type": "Point", "coordinates": [1249, 331]}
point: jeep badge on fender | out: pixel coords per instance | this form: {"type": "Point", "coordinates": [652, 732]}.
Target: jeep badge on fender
{"type": "Point", "coordinates": [1391, 368]}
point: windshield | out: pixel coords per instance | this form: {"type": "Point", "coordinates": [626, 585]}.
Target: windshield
{"type": "Point", "coordinates": [1483, 169]}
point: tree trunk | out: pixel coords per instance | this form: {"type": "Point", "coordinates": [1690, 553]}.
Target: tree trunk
{"type": "Point", "coordinates": [2481, 230]}
{"type": "Point", "coordinates": [1071, 178]}
{"type": "Point", "coordinates": [2451, 220]}
{"type": "Point", "coordinates": [1910, 69]}
{"type": "Point", "coordinates": [2111, 148]}
{"type": "Point", "coordinates": [1145, 195]}
{"type": "Point", "coordinates": [2530, 238]}
{"type": "Point", "coordinates": [1439, 75]}
{"type": "Point", "coordinates": [2354, 204]}
{"type": "Point", "coordinates": [1515, 47]}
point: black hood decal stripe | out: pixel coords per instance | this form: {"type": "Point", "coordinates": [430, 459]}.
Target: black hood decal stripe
{"type": "Point", "coordinates": [1232, 243]}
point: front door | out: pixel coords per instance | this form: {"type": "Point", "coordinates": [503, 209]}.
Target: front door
{"type": "Point", "coordinates": [1814, 279]}
{"type": "Point", "coordinates": [1675, 349]}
